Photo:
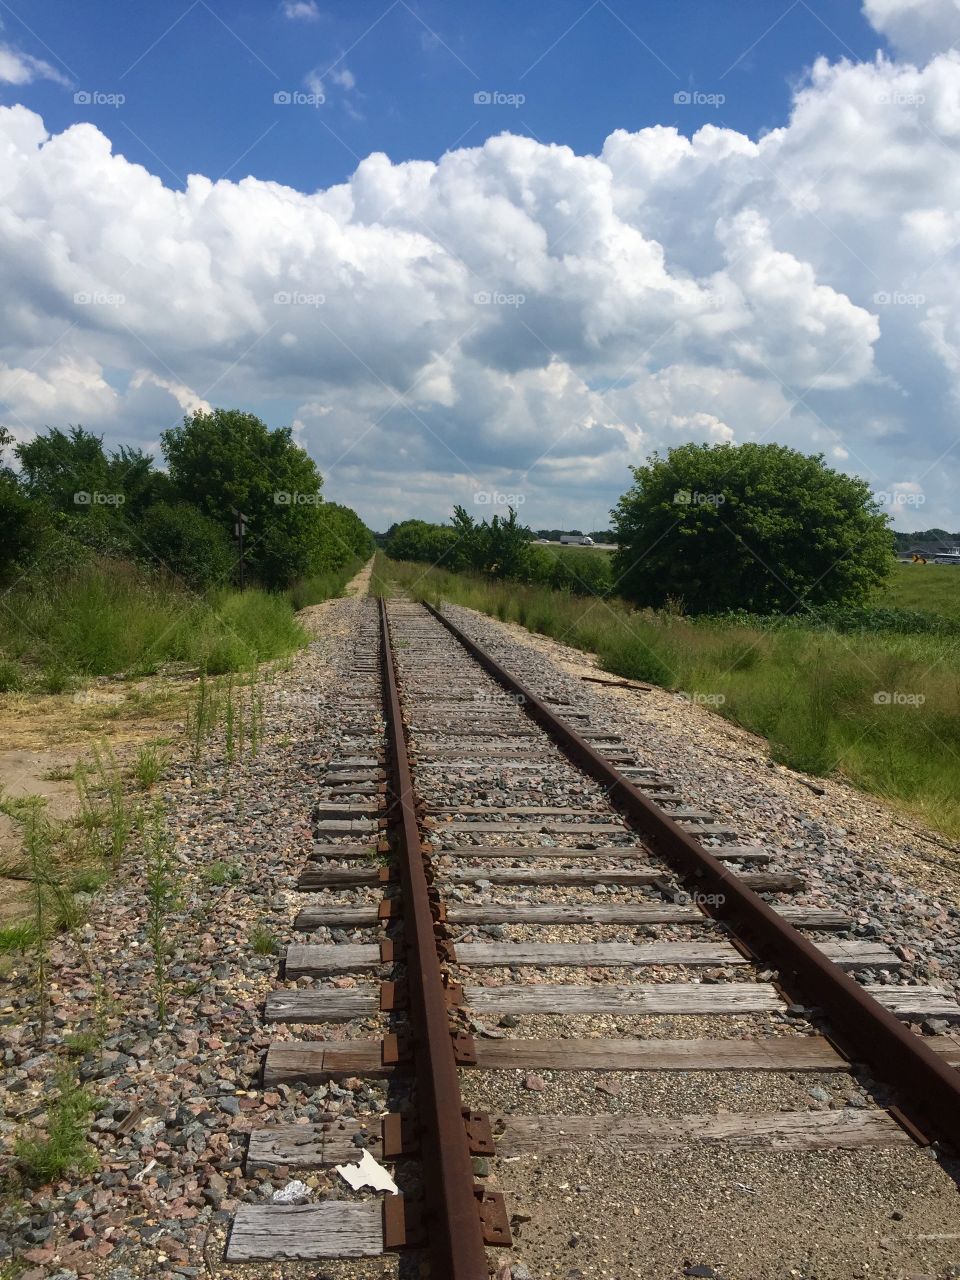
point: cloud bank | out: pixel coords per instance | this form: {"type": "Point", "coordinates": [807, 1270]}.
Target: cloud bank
{"type": "Point", "coordinates": [517, 317]}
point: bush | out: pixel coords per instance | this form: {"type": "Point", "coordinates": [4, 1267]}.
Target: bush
{"type": "Point", "coordinates": [754, 526]}
{"type": "Point", "coordinates": [191, 546]}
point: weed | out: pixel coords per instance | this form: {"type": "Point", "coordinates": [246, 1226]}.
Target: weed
{"type": "Point", "coordinates": [120, 816]}
{"type": "Point", "coordinates": [17, 937]}
{"type": "Point", "coordinates": [149, 766]}
{"type": "Point", "coordinates": [221, 873]}
{"type": "Point", "coordinates": [161, 899]}
{"type": "Point", "coordinates": [54, 679]}
{"type": "Point", "coordinates": [263, 942]}
{"type": "Point", "coordinates": [81, 1042]}
{"type": "Point", "coordinates": [65, 1148]}
{"type": "Point", "coordinates": [88, 880]}
{"type": "Point", "coordinates": [10, 678]}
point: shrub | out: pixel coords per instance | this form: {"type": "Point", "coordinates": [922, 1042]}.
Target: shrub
{"type": "Point", "coordinates": [194, 548]}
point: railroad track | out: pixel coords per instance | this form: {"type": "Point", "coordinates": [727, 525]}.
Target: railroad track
{"type": "Point", "coordinates": [491, 808]}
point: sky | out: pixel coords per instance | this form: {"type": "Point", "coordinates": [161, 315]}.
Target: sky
{"type": "Point", "coordinates": [491, 254]}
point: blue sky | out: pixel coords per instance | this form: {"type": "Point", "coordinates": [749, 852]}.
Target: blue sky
{"type": "Point", "coordinates": [470, 251]}
{"type": "Point", "coordinates": [199, 79]}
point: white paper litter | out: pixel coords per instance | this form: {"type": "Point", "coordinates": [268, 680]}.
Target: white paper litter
{"type": "Point", "coordinates": [292, 1193]}
{"type": "Point", "coordinates": [139, 1177]}
{"type": "Point", "coordinates": [368, 1173]}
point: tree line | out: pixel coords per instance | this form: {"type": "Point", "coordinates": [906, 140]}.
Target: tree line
{"type": "Point", "coordinates": [70, 498]}
{"type": "Point", "coordinates": [756, 527]}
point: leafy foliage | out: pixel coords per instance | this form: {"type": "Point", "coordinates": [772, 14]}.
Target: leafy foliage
{"type": "Point", "coordinates": [759, 527]}
{"type": "Point", "coordinates": [228, 461]}
{"type": "Point", "coordinates": [189, 544]}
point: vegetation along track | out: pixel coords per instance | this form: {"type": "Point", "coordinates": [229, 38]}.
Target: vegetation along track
{"type": "Point", "coordinates": [517, 791]}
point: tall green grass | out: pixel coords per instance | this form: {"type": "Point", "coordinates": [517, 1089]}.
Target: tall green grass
{"type": "Point", "coordinates": [324, 586]}
{"type": "Point", "coordinates": [111, 619]}
{"type": "Point", "coordinates": [882, 710]}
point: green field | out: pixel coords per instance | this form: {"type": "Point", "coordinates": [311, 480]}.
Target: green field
{"type": "Point", "coordinates": [878, 708]}
{"type": "Point", "coordinates": [933, 588]}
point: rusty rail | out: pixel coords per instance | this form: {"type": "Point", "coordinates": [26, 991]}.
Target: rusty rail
{"type": "Point", "coordinates": [860, 1027]}
{"type": "Point", "coordinates": [452, 1219]}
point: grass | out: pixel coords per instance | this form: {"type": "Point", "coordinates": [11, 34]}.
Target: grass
{"type": "Point", "coordinates": [881, 710]}
{"type": "Point", "coordinates": [932, 588]}
{"type": "Point", "coordinates": [149, 766]}
{"type": "Point", "coordinates": [324, 586]}
{"type": "Point", "coordinates": [112, 619]}
{"type": "Point", "coordinates": [161, 886]}
{"type": "Point", "coordinates": [264, 943]}
{"type": "Point", "coordinates": [64, 1149]}
{"type": "Point", "coordinates": [222, 873]}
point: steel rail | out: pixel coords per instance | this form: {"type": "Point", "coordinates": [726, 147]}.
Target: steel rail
{"type": "Point", "coordinates": [861, 1027]}
{"type": "Point", "coordinates": [451, 1217]}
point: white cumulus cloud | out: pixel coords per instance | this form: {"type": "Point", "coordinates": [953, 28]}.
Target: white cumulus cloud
{"type": "Point", "coordinates": [916, 28]}
{"type": "Point", "coordinates": [515, 315]}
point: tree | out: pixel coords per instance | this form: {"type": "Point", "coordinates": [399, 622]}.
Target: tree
{"type": "Point", "coordinates": [227, 461]}
{"type": "Point", "coordinates": [418, 540]}
{"type": "Point", "coordinates": [346, 537]}
{"type": "Point", "coordinates": [20, 528]}
{"type": "Point", "coordinates": [58, 466]}
{"type": "Point", "coordinates": [55, 467]}
{"type": "Point", "coordinates": [755, 526]}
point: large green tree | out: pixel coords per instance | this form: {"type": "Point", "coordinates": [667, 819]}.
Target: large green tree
{"type": "Point", "coordinates": [228, 460]}
{"type": "Point", "coordinates": [753, 526]}
{"type": "Point", "coordinates": [57, 467]}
